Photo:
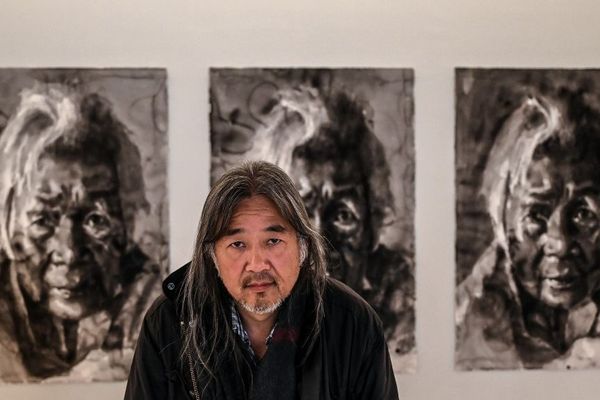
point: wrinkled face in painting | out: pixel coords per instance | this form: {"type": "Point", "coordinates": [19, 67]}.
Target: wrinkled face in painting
{"type": "Point", "coordinates": [259, 256]}
{"type": "Point", "coordinates": [336, 202]}
{"type": "Point", "coordinates": [68, 235]}
{"type": "Point", "coordinates": [553, 225]}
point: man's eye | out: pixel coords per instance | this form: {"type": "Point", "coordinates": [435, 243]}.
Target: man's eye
{"type": "Point", "coordinates": [97, 224]}
{"type": "Point", "coordinates": [237, 244]}
{"type": "Point", "coordinates": [345, 219]}
{"type": "Point", "coordinates": [43, 223]}
{"type": "Point", "coordinates": [538, 214]}
{"type": "Point", "coordinates": [584, 217]}
{"type": "Point", "coordinates": [345, 216]}
{"type": "Point", "coordinates": [536, 219]}
{"type": "Point", "coordinates": [273, 241]}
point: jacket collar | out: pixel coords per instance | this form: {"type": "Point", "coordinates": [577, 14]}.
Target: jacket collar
{"type": "Point", "coordinates": [173, 284]}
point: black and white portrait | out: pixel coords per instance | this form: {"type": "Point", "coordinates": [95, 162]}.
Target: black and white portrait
{"type": "Point", "coordinates": [528, 219]}
{"type": "Point", "coordinates": [83, 219]}
{"type": "Point", "coordinates": [345, 136]}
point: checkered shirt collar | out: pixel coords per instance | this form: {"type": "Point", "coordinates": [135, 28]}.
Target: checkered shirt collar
{"type": "Point", "coordinates": [238, 328]}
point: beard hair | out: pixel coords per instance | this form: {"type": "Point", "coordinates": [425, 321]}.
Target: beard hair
{"type": "Point", "coordinates": [261, 309]}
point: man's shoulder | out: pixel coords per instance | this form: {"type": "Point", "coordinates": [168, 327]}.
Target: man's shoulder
{"type": "Point", "coordinates": [340, 301]}
{"type": "Point", "coordinates": [162, 312]}
{"type": "Point", "coordinates": [173, 284]}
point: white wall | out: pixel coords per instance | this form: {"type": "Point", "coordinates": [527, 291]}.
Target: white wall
{"type": "Point", "coordinates": [431, 36]}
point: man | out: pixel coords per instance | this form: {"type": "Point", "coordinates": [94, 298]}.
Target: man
{"type": "Point", "coordinates": [531, 300]}
{"type": "Point", "coordinates": [73, 284]}
{"type": "Point", "coordinates": [254, 315]}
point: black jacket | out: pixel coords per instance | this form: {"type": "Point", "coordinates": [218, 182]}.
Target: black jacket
{"type": "Point", "coordinates": [349, 360]}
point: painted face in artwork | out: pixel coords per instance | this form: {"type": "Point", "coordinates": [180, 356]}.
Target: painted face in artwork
{"type": "Point", "coordinates": [335, 200]}
{"type": "Point", "coordinates": [67, 235]}
{"type": "Point", "coordinates": [259, 256]}
{"type": "Point", "coordinates": [553, 222]}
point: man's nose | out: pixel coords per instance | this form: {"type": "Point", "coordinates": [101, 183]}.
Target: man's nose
{"type": "Point", "coordinates": [64, 246]}
{"type": "Point", "coordinates": [257, 260]}
{"type": "Point", "coordinates": [557, 238]}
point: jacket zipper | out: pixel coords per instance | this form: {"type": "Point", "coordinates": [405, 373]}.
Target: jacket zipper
{"type": "Point", "coordinates": [190, 364]}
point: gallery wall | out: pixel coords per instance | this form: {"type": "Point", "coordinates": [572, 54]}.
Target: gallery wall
{"type": "Point", "coordinates": [431, 37]}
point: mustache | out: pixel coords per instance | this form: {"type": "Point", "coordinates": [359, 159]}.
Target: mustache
{"type": "Point", "coordinates": [258, 277]}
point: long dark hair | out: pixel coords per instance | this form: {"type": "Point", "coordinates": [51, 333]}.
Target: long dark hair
{"type": "Point", "coordinates": [205, 302]}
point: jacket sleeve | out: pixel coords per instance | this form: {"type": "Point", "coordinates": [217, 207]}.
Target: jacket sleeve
{"type": "Point", "coordinates": [376, 379]}
{"type": "Point", "coordinates": [148, 374]}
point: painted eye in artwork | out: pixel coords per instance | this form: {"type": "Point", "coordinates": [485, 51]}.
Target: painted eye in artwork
{"type": "Point", "coordinates": [584, 217]}
{"type": "Point", "coordinates": [536, 218]}
{"type": "Point", "coordinates": [97, 224]}
{"type": "Point", "coordinates": [43, 224]}
{"type": "Point", "coordinates": [344, 219]}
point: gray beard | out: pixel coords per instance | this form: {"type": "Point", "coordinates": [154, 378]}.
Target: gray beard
{"type": "Point", "coordinates": [261, 310]}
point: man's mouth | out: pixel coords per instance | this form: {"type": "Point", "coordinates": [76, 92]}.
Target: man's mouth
{"type": "Point", "coordinates": [65, 293]}
{"type": "Point", "coordinates": [259, 286]}
{"type": "Point", "coordinates": [562, 282]}
{"type": "Point", "coordinates": [561, 274]}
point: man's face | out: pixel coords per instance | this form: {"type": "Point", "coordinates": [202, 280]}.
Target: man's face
{"type": "Point", "coordinates": [67, 236]}
{"type": "Point", "coordinates": [258, 257]}
{"type": "Point", "coordinates": [335, 200]}
{"type": "Point", "coordinates": [553, 224]}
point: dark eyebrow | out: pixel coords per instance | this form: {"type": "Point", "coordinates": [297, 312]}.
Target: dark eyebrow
{"type": "Point", "coordinates": [587, 190]}
{"type": "Point", "coordinates": [543, 195]}
{"type": "Point", "coordinates": [232, 231]}
{"type": "Point", "coordinates": [50, 200]}
{"type": "Point", "coordinates": [271, 228]}
{"type": "Point", "coordinates": [347, 190]}
{"type": "Point", "coordinates": [350, 190]}
{"type": "Point", "coordinates": [276, 228]}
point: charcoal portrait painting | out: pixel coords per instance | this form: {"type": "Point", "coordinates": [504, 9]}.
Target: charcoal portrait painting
{"type": "Point", "coordinates": [83, 219]}
{"type": "Point", "coordinates": [345, 136]}
{"type": "Point", "coordinates": [528, 219]}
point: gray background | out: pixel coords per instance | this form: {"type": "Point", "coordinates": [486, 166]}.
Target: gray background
{"type": "Point", "coordinates": [431, 36]}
